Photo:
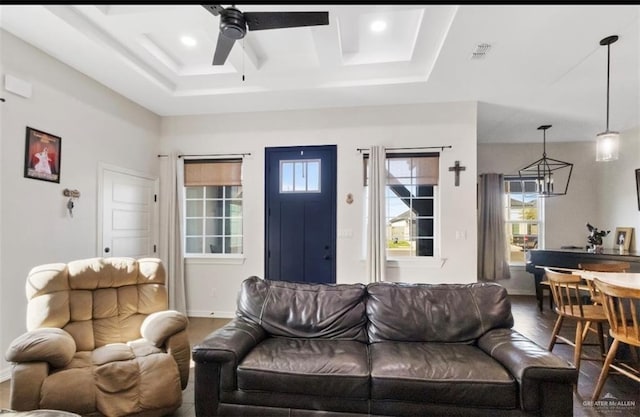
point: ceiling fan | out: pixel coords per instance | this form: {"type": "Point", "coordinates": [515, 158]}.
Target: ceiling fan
{"type": "Point", "coordinates": [234, 24]}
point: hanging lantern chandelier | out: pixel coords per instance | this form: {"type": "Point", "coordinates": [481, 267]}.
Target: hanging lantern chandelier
{"type": "Point", "coordinates": [552, 176]}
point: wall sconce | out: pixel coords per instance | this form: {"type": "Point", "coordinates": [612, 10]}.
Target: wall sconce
{"type": "Point", "coordinates": [608, 142]}
{"type": "Point", "coordinates": [72, 194]}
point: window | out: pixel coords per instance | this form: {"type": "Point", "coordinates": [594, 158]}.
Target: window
{"type": "Point", "coordinates": [213, 207]}
{"type": "Point", "coordinates": [411, 196]}
{"type": "Point", "coordinates": [300, 176]}
{"type": "Point", "coordinates": [524, 217]}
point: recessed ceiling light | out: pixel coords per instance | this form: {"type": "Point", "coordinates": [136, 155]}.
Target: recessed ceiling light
{"type": "Point", "coordinates": [378, 25]}
{"type": "Point", "coordinates": [188, 41]}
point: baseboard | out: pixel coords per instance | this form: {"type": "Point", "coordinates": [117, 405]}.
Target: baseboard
{"type": "Point", "coordinates": [520, 292]}
{"type": "Point", "coordinates": [212, 314]}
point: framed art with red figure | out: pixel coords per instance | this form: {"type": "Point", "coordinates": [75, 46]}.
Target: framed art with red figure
{"type": "Point", "coordinates": [42, 155]}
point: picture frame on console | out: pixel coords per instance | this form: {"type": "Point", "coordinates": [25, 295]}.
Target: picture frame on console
{"type": "Point", "coordinates": [42, 155]}
{"type": "Point", "coordinates": [623, 237]}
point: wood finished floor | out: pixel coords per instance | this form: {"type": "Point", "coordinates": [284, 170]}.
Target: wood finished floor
{"type": "Point", "coordinates": [528, 320]}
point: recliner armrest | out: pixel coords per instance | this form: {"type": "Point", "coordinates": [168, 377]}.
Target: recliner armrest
{"type": "Point", "coordinates": [158, 326]}
{"type": "Point", "coordinates": [178, 346]}
{"type": "Point", "coordinates": [539, 372]}
{"type": "Point", "coordinates": [47, 344]}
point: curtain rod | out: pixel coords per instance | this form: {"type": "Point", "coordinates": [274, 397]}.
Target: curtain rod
{"type": "Point", "coordinates": [442, 148]}
{"type": "Point", "coordinates": [210, 154]}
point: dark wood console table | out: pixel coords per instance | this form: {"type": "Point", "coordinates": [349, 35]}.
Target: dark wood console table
{"type": "Point", "coordinates": [570, 258]}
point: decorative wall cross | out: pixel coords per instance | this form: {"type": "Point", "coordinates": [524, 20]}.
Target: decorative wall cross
{"type": "Point", "coordinates": [457, 168]}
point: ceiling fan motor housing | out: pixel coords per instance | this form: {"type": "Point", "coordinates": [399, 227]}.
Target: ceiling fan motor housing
{"type": "Point", "coordinates": [232, 23]}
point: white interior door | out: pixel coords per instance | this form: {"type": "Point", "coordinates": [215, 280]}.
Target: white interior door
{"type": "Point", "coordinates": [129, 214]}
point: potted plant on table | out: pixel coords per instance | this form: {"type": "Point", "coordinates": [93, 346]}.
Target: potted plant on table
{"type": "Point", "coordinates": [595, 239]}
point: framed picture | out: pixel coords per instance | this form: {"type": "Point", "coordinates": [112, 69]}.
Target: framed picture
{"type": "Point", "coordinates": [42, 156]}
{"type": "Point", "coordinates": [638, 186]}
{"type": "Point", "coordinates": [623, 237]}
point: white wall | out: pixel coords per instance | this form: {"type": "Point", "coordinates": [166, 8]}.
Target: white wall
{"type": "Point", "coordinates": [213, 287]}
{"type": "Point", "coordinates": [96, 125]}
{"type": "Point", "coordinates": [616, 193]}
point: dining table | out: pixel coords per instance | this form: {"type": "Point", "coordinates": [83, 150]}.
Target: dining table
{"type": "Point", "coordinates": [623, 279]}
{"type": "Point", "coordinates": [572, 257]}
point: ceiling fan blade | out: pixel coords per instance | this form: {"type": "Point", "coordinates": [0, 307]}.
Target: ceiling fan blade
{"type": "Point", "coordinates": [215, 9]}
{"type": "Point", "coordinates": [277, 20]}
{"type": "Point", "coordinates": [223, 48]}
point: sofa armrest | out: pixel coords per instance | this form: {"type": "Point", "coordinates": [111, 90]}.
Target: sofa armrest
{"type": "Point", "coordinates": [158, 326]}
{"type": "Point", "coordinates": [47, 344]}
{"type": "Point", "coordinates": [216, 359]}
{"type": "Point", "coordinates": [546, 380]}
{"type": "Point", "coordinates": [226, 347]}
{"type": "Point", "coordinates": [229, 343]}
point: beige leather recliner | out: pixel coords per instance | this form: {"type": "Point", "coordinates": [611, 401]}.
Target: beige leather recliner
{"type": "Point", "coordinates": [100, 340]}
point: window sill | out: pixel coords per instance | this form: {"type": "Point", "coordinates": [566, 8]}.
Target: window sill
{"type": "Point", "coordinates": [426, 262]}
{"type": "Point", "coordinates": [214, 259]}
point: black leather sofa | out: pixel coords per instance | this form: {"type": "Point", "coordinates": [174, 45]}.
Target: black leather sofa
{"type": "Point", "coordinates": [390, 349]}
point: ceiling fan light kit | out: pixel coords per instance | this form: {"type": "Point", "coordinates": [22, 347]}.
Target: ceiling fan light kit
{"type": "Point", "coordinates": [234, 25]}
{"type": "Point", "coordinates": [608, 142]}
{"type": "Point", "coordinates": [550, 174]}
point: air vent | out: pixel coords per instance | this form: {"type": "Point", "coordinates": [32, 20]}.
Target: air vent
{"type": "Point", "coordinates": [480, 51]}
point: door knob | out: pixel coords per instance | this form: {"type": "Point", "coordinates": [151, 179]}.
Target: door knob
{"type": "Point", "coordinates": [106, 250]}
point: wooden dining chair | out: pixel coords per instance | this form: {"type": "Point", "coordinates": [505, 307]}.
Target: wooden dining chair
{"type": "Point", "coordinates": [568, 295]}
{"type": "Point", "coordinates": [606, 266]}
{"type": "Point", "coordinates": [544, 285]}
{"type": "Point", "coordinates": [602, 267]}
{"type": "Point", "coordinates": [621, 306]}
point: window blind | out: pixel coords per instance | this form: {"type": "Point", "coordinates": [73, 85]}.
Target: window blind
{"type": "Point", "coordinates": [212, 172]}
{"type": "Point", "coordinates": [421, 168]}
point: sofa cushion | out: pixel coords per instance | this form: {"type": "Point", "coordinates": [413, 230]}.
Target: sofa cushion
{"type": "Point", "coordinates": [54, 393]}
{"type": "Point", "coordinates": [327, 311]}
{"type": "Point", "coordinates": [440, 373]}
{"type": "Point", "coordinates": [337, 368]}
{"type": "Point", "coordinates": [435, 312]}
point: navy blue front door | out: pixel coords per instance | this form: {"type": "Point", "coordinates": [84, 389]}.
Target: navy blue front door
{"type": "Point", "coordinates": [300, 214]}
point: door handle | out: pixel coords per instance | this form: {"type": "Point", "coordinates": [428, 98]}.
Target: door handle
{"type": "Point", "coordinates": [106, 250]}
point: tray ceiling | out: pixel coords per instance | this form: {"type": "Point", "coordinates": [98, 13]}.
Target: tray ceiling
{"type": "Point", "coordinates": [543, 63]}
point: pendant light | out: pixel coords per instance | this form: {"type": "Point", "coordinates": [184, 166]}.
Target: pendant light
{"type": "Point", "coordinates": [608, 142]}
{"type": "Point", "coordinates": [552, 176]}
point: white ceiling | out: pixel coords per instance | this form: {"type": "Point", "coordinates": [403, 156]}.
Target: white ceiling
{"type": "Point", "coordinates": [545, 64]}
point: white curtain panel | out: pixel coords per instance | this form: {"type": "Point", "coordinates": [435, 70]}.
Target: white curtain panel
{"type": "Point", "coordinates": [492, 241]}
{"type": "Point", "coordinates": [171, 247]}
{"type": "Point", "coordinates": [376, 229]}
